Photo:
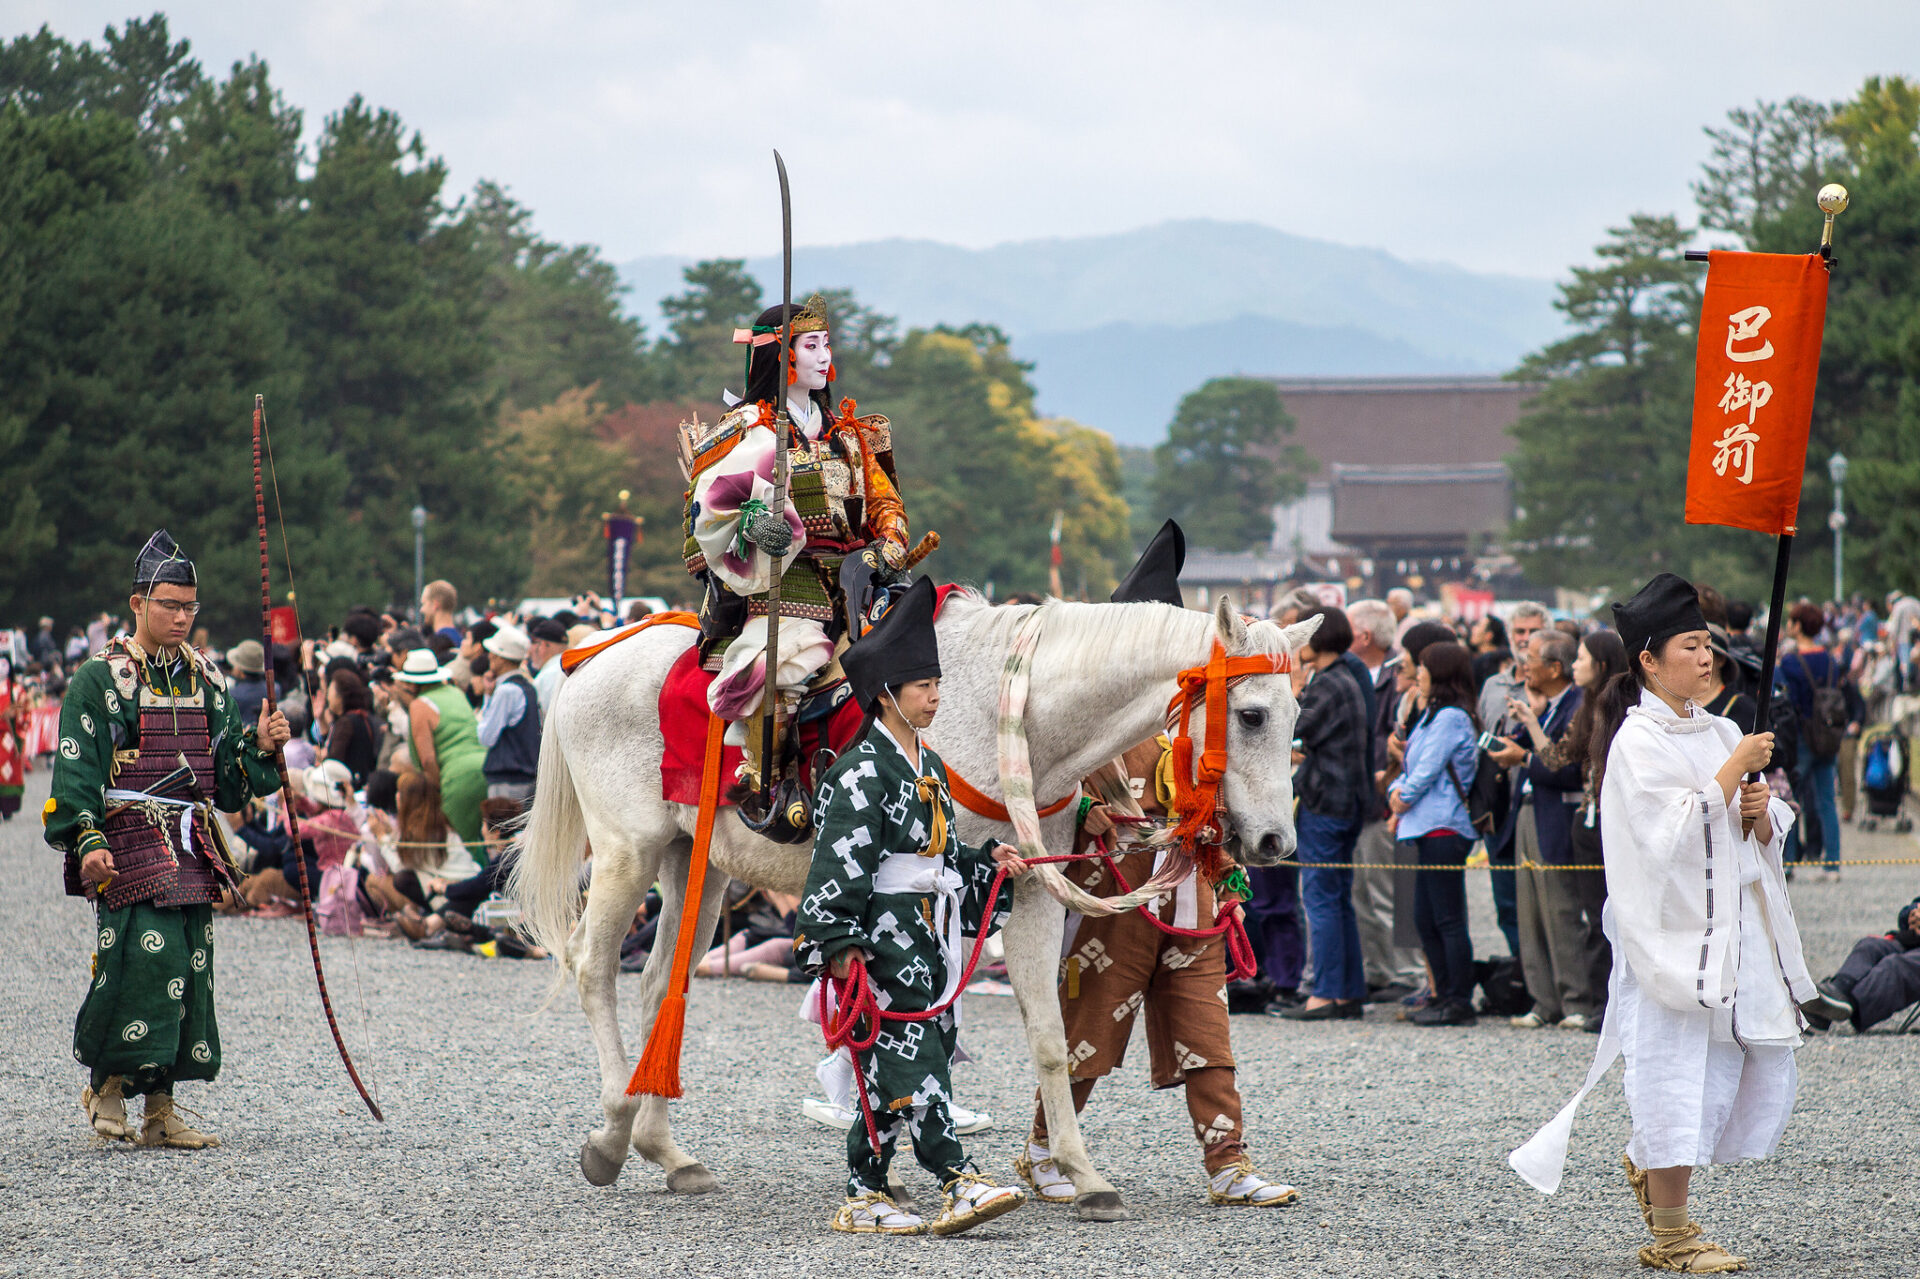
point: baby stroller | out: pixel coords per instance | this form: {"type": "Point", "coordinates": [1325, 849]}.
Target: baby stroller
{"type": "Point", "coordinates": [1885, 760]}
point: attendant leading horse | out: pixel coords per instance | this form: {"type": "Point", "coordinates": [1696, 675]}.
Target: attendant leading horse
{"type": "Point", "coordinates": [1101, 675]}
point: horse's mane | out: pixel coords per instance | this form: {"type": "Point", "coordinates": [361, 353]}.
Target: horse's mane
{"type": "Point", "coordinates": [1095, 633]}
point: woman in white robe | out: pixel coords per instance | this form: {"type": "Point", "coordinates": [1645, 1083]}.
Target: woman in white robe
{"type": "Point", "coordinates": [1707, 969]}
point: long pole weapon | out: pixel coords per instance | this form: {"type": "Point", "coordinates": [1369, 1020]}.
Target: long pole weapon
{"type": "Point", "coordinates": [280, 763]}
{"type": "Point", "coordinates": [770, 736]}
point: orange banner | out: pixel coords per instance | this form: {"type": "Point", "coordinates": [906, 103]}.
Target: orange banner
{"type": "Point", "coordinates": [1759, 357]}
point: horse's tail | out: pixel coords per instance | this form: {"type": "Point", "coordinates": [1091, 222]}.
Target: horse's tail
{"type": "Point", "coordinates": [546, 874]}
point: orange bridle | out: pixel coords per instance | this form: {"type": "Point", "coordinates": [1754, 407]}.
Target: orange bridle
{"type": "Point", "coordinates": [1196, 790]}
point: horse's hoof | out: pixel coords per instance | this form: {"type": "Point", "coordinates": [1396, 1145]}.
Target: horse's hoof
{"type": "Point", "coordinates": [694, 1179]}
{"type": "Point", "coordinates": [1101, 1205]}
{"type": "Point", "coordinates": [596, 1167]}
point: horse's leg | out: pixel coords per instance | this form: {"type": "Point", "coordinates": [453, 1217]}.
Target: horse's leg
{"type": "Point", "coordinates": [1032, 940]}
{"type": "Point", "coordinates": [621, 874]}
{"type": "Point", "coordinates": [651, 1137]}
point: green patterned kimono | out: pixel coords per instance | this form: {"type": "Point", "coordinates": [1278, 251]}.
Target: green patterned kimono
{"type": "Point", "coordinates": [868, 887]}
{"type": "Point", "coordinates": [149, 1012]}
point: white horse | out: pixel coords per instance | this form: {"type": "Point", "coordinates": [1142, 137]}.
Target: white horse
{"type": "Point", "coordinates": [1101, 677]}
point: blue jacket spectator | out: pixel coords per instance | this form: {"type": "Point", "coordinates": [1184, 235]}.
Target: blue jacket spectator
{"type": "Point", "coordinates": [1442, 739]}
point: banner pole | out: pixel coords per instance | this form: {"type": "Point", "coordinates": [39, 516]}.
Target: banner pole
{"type": "Point", "coordinates": [1832, 200]}
{"type": "Point", "coordinates": [1769, 654]}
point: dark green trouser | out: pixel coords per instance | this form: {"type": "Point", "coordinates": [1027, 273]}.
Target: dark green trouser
{"type": "Point", "coordinates": [935, 1145]}
{"type": "Point", "coordinates": [149, 1014]}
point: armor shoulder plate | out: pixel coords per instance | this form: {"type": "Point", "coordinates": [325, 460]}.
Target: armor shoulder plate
{"type": "Point", "coordinates": [210, 670]}
{"type": "Point", "coordinates": [706, 443]}
{"type": "Point", "coordinates": [877, 431]}
{"type": "Point", "coordinates": [120, 665]}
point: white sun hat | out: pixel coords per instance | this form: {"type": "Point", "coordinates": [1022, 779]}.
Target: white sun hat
{"type": "Point", "coordinates": [421, 667]}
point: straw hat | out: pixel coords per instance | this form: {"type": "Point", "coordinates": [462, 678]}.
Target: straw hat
{"type": "Point", "coordinates": [420, 667]}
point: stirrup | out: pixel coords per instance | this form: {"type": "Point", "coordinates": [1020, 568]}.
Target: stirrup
{"type": "Point", "coordinates": [787, 820]}
{"type": "Point", "coordinates": [1033, 1172]}
{"type": "Point", "coordinates": [1684, 1250]}
{"type": "Point", "coordinates": [876, 1206]}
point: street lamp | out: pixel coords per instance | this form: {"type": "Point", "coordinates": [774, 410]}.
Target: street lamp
{"type": "Point", "coordinates": [1837, 472]}
{"type": "Point", "coordinates": [419, 553]}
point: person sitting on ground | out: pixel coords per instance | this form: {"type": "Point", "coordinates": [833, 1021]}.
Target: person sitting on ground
{"type": "Point", "coordinates": [1880, 977]}
{"type": "Point", "coordinates": [763, 948]}
{"type": "Point", "coordinates": [444, 738]}
{"type": "Point", "coordinates": [323, 795]}
{"type": "Point", "coordinates": [353, 739]}
{"type": "Point", "coordinates": [453, 926]}
{"type": "Point", "coordinates": [430, 856]}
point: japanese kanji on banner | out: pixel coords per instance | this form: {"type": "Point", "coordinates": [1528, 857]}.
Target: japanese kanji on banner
{"type": "Point", "coordinates": [285, 624]}
{"type": "Point", "coordinates": [1759, 357]}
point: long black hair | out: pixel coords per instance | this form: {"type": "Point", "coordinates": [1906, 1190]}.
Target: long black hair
{"type": "Point", "coordinates": [1449, 668]}
{"type": "Point", "coordinates": [763, 369]}
{"type": "Point", "coordinates": [1609, 657]}
{"type": "Point", "coordinates": [1618, 695]}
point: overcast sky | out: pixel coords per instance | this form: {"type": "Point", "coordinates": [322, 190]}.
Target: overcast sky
{"type": "Point", "coordinates": [1494, 136]}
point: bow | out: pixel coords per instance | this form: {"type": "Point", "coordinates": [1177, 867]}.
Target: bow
{"type": "Point", "coordinates": [280, 763]}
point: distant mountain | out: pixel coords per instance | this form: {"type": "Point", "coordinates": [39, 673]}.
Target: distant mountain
{"type": "Point", "coordinates": [1127, 379]}
{"type": "Point", "coordinates": [1120, 326]}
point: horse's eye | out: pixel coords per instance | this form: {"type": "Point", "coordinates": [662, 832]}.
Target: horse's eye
{"type": "Point", "coordinates": [1253, 717]}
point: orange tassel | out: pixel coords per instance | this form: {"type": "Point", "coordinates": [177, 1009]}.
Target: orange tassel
{"type": "Point", "coordinates": [658, 1072]}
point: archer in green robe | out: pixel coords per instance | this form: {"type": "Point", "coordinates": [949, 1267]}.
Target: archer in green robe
{"type": "Point", "coordinates": [149, 1012]}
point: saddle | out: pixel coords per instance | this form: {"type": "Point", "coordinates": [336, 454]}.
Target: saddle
{"type": "Point", "coordinates": [826, 721]}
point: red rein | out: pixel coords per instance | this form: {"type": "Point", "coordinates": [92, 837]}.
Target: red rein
{"type": "Point", "coordinates": [1194, 800]}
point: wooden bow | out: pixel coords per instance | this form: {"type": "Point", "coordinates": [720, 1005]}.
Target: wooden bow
{"type": "Point", "coordinates": [280, 763]}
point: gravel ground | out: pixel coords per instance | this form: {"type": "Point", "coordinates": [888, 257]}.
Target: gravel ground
{"type": "Point", "coordinates": [1396, 1135]}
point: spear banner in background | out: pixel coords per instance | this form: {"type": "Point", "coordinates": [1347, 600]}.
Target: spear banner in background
{"type": "Point", "coordinates": [1759, 358]}
{"type": "Point", "coordinates": [621, 528]}
{"type": "Point", "coordinates": [284, 623]}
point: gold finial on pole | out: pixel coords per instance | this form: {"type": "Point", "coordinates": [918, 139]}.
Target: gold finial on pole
{"type": "Point", "coordinates": [1832, 201]}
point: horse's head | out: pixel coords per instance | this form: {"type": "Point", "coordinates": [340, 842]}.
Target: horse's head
{"type": "Point", "coordinates": [1258, 787]}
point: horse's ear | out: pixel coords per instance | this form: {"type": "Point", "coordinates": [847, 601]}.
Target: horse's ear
{"type": "Point", "coordinates": [1292, 637]}
{"type": "Point", "coordinates": [1228, 625]}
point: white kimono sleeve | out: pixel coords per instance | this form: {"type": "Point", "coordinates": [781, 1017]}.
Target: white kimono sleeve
{"type": "Point", "coordinates": [1673, 875]}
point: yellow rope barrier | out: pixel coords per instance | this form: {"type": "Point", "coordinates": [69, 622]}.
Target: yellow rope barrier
{"type": "Point", "coordinates": [1530, 865]}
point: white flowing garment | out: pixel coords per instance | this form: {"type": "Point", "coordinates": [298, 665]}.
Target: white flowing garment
{"type": "Point", "coordinates": [1707, 968]}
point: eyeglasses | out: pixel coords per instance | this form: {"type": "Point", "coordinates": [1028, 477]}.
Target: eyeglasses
{"type": "Point", "coordinates": [177, 608]}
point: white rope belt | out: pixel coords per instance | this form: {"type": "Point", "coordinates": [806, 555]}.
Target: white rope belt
{"type": "Point", "coordinates": [186, 807]}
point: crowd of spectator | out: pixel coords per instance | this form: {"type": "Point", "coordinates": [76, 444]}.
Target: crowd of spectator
{"type": "Point", "coordinates": [1423, 746]}
{"type": "Point", "coordinates": [1427, 747]}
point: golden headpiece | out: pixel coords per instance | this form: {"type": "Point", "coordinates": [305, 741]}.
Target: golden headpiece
{"type": "Point", "coordinates": [809, 317]}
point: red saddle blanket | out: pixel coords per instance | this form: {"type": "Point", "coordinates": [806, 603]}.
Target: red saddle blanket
{"type": "Point", "coordinates": [683, 726]}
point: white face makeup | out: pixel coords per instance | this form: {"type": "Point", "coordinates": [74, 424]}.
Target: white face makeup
{"type": "Point", "coordinates": [812, 357]}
